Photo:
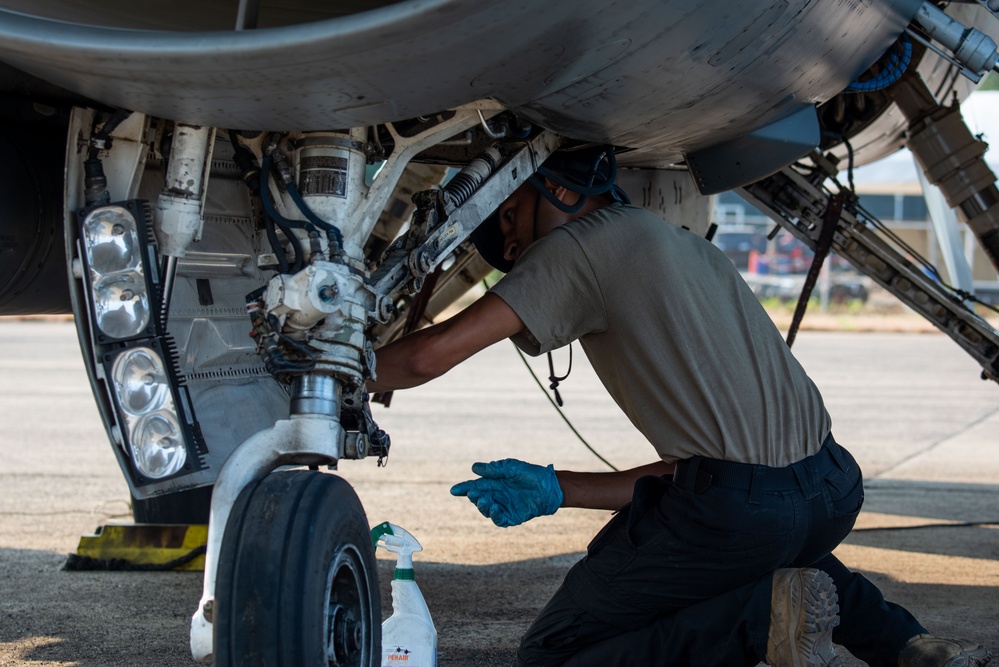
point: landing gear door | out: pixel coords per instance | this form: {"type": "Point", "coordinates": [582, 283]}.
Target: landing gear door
{"type": "Point", "coordinates": [670, 194]}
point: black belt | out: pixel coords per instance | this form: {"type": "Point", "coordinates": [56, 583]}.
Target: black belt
{"type": "Point", "coordinates": [697, 473]}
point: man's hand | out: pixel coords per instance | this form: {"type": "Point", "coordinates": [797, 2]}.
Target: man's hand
{"type": "Point", "coordinates": [511, 492]}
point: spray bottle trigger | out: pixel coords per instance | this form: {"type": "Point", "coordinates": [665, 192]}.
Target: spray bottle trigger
{"type": "Point", "coordinates": [397, 540]}
{"type": "Point", "coordinates": [384, 528]}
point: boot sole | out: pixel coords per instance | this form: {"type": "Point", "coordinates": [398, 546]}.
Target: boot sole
{"type": "Point", "coordinates": [806, 621]}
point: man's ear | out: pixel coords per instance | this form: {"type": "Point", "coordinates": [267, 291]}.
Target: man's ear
{"type": "Point", "coordinates": [558, 191]}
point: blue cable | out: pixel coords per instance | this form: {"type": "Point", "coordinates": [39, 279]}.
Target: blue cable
{"type": "Point", "coordinates": [898, 58]}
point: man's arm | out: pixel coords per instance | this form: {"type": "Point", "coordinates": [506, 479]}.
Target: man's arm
{"type": "Point", "coordinates": [605, 490]}
{"type": "Point", "coordinates": [511, 492]}
{"type": "Point", "coordinates": [429, 353]}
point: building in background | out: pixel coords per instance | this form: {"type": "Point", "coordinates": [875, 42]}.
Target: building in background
{"type": "Point", "coordinates": [890, 190]}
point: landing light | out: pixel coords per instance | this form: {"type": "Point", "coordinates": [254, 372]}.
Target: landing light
{"type": "Point", "coordinates": [121, 274]}
{"type": "Point", "coordinates": [141, 381]}
{"type": "Point", "coordinates": [112, 239]}
{"type": "Point", "coordinates": [160, 438]}
{"type": "Point", "coordinates": [158, 445]}
{"type": "Point", "coordinates": [155, 436]}
{"type": "Point", "coordinates": [122, 303]}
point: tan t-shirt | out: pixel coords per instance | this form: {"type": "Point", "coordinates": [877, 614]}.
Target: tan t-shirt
{"type": "Point", "coordinates": [673, 332]}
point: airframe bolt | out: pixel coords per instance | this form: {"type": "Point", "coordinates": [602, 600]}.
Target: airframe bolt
{"type": "Point", "coordinates": [328, 292]}
{"type": "Point", "coordinates": [385, 308]}
{"type": "Point", "coordinates": [424, 261]}
{"type": "Point", "coordinates": [209, 610]}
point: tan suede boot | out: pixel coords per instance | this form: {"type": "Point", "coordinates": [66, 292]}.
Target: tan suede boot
{"type": "Point", "coordinates": [803, 613]}
{"type": "Point", "coordinates": [930, 651]}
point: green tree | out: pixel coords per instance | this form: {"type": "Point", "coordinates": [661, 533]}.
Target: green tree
{"type": "Point", "coordinates": [991, 82]}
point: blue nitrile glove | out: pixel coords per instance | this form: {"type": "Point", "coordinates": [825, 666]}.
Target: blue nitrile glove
{"type": "Point", "coordinates": [511, 492]}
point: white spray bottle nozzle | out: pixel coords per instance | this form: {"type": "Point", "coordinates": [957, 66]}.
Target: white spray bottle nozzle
{"type": "Point", "coordinates": [398, 540]}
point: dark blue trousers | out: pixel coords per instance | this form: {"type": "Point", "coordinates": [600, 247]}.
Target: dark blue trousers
{"type": "Point", "coordinates": [682, 575]}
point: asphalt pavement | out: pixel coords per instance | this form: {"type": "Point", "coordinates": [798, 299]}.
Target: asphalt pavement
{"type": "Point", "coordinates": [909, 406]}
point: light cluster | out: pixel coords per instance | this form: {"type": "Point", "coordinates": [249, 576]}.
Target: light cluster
{"type": "Point", "coordinates": [123, 281]}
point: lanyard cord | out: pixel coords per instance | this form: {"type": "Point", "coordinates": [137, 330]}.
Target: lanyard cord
{"type": "Point", "coordinates": [555, 379]}
{"type": "Point", "coordinates": [562, 414]}
{"type": "Point", "coordinates": [552, 378]}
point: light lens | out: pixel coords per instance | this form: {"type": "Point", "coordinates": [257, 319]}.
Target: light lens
{"type": "Point", "coordinates": [158, 445]}
{"type": "Point", "coordinates": [117, 279]}
{"type": "Point", "coordinates": [122, 303]}
{"type": "Point", "coordinates": [141, 381]}
{"type": "Point", "coordinates": [111, 238]}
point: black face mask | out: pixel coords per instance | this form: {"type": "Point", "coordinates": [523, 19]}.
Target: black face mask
{"type": "Point", "coordinates": [589, 171]}
{"type": "Point", "coordinates": [488, 240]}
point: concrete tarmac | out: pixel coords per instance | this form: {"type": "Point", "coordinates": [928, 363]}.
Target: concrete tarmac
{"type": "Point", "coordinates": [909, 406]}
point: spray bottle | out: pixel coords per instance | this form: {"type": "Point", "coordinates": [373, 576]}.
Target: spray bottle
{"type": "Point", "coordinates": [408, 635]}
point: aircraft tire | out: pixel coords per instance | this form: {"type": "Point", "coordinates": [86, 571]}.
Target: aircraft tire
{"type": "Point", "coordinates": [297, 583]}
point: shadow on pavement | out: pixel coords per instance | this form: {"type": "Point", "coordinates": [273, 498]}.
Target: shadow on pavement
{"type": "Point", "coordinates": [110, 619]}
{"type": "Point", "coordinates": [928, 508]}
{"type": "Point", "coordinates": [93, 619]}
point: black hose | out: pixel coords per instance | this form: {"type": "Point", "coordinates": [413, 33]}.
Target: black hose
{"type": "Point", "coordinates": [296, 245]}
{"type": "Point", "coordinates": [250, 174]}
{"type": "Point", "coordinates": [94, 181]}
{"type": "Point", "coordinates": [311, 216]}
{"type": "Point", "coordinates": [283, 223]}
{"type": "Point", "coordinates": [247, 163]}
{"type": "Point", "coordinates": [265, 199]}
{"type": "Point", "coordinates": [279, 251]}
{"type": "Point", "coordinates": [276, 360]}
{"type": "Point", "coordinates": [104, 133]}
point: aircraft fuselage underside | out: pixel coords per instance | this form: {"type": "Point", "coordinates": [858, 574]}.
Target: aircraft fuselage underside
{"type": "Point", "coordinates": [230, 286]}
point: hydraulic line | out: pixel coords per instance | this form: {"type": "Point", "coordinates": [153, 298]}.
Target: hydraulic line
{"type": "Point", "coordinates": [283, 223]}
{"type": "Point", "coordinates": [277, 157]}
{"type": "Point", "coordinates": [265, 199]}
{"type": "Point", "coordinates": [279, 251]}
{"type": "Point", "coordinates": [250, 174]}
{"type": "Point", "coordinates": [95, 182]}
{"type": "Point", "coordinates": [331, 230]}
{"type": "Point", "coordinates": [274, 346]}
